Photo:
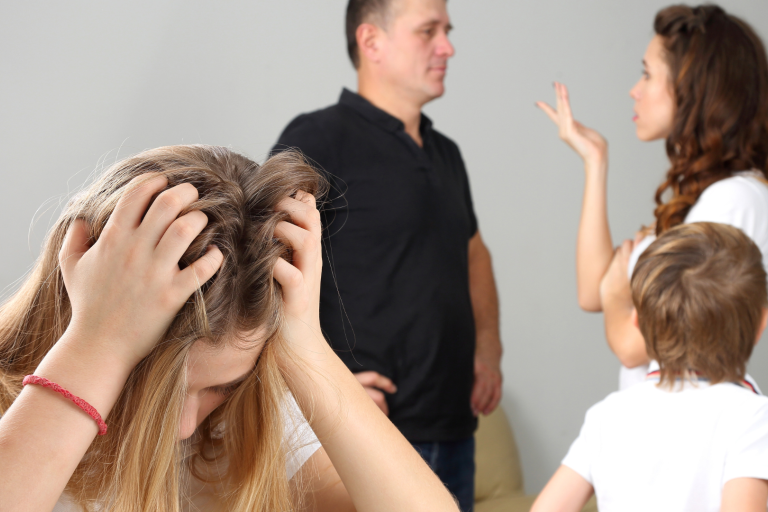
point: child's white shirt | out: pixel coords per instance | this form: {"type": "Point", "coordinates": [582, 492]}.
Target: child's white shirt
{"type": "Point", "coordinates": [647, 448]}
{"type": "Point", "coordinates": [740, 201]}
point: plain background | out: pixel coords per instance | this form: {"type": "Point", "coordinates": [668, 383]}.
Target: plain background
{"type": "Point", "coordinates": [85, 83]}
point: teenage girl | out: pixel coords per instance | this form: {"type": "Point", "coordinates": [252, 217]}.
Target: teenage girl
{"type": "Point", "coordinates": [175, 310]}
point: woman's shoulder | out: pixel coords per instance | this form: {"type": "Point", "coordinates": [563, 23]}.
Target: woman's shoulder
{"type": "Point", "coordinates": [731, 199]}
{"type": "Point", "coordinates": [742, 189]}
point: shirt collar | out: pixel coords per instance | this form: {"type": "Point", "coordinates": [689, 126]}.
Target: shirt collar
{"type": "Point", "coordinates": [377, 116]}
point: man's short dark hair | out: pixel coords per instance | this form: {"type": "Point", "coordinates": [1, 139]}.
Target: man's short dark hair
{"type": "Point", "coordinates": [363, 11]}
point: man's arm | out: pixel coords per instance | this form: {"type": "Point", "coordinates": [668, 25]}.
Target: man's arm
{"type": "Point", "coordinates": [486, 392]}
{"type": "Point", "coordinates": [566, 491]}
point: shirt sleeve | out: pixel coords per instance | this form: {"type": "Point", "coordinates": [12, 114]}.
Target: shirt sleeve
{"type": "Point", "coordinates": [748, 456]}
{"type": "Point", "coordinates": [580, 456]}
{"type": "Point", "coordinates": [731, 201]}
{"type": "Point", "coordinates": [301, 440]}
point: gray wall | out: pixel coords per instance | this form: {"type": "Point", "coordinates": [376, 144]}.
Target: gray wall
{"type": "Point", "coordinates": [84, 83]}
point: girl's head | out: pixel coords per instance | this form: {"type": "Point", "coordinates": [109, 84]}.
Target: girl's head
{"type": "Point", "coordinates": [705, 90]}
{"type": "Point", "coordinates": [214, 373]}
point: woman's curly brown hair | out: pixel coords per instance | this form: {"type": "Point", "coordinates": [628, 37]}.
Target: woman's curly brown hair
{"type": "Point", "coordinates": [719, 76]}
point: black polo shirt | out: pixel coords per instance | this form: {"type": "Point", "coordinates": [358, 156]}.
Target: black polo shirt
{"type": "Point", "coordinates": [395, 286]}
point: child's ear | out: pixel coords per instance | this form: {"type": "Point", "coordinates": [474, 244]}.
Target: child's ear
{"type": "Point", "coordinates": [636, 323]}
{"type": "Point", "coordinates": [763, 323]}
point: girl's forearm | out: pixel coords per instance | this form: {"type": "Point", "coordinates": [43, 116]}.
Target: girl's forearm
{"type": "Point", "coordinates": [594, 247]}
{"type": "Point", "coordinates": [379, 468]}
{"type": "Point", "coordinates": [43, 436]}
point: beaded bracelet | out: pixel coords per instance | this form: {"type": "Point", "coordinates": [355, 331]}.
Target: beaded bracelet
{"type": "Point", "coordinates": [85, 406]}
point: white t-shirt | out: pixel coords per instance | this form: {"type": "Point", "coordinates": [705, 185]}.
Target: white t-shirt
{"type": "Point", "coordinates": [299, 436]}
{"type": "Point", "coordinates": [647, 448]}
{"type": "Point", "coordinates": [741, 201]}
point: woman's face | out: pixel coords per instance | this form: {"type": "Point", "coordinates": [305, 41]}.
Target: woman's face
{"type": "Point", "coordinates": [653, 95]}
{"type": "Point", "coordinates": [212, 374]}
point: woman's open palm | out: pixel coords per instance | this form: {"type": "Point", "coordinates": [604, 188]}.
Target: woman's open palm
{"type": "Point", "coordinates": [588, 143]}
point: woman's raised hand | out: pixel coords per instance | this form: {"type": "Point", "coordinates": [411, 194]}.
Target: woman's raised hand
{"type": "Point", "coordinates": [300, 280]}
{"type": "Point", "coordinates": [589, 144]}
{"type": "Point", "coordinates": [126, 289]}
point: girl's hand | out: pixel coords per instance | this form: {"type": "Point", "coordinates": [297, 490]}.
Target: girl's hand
{"type": "Point", "coordinates": [301, 279]}
{"type": "Point", "coordinates": [589, 144]}
{"type": "Point", "coordinates": [126, 289]}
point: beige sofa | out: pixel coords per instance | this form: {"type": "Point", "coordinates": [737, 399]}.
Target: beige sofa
{"type": "Point", "coordinates": [499, 477]}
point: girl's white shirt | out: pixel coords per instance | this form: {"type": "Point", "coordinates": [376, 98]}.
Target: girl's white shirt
{"type": "Point", "coordinates": [741, 201]}
{"type": "Point", "coordinates": [299, 436]}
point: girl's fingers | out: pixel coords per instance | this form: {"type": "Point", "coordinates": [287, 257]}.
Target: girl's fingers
{"type": "Point", "coordinates": [165, 209]}
{"type": "Point", "coordinates": [179, 235]}
{"type": "Point", "coordinates": [305, 244]}
{"type": "Point", "coordinates": [198, 273]}
{"type": "Point", "coordinates": [133, 204]}
{"type": "Point", "coordinates": [551, 113]}
{"type": "Point", "coordinates": [290, 279]}
{"type": "Point", "coordinates": [302, 211]}
{"type": "Point", "coordinates": [74, 246]}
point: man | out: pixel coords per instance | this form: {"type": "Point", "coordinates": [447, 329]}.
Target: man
{"type": "Point", "coordinates": [408, 297]}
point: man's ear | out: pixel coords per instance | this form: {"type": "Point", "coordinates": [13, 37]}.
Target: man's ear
{"type": "Point", "coordinates": [368, 42]}
{"type": "Point", "coordinates": [635, 321]}
{"type": "Point", "coordinates": [763, 323]}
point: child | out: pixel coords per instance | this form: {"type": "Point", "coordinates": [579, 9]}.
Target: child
{"type": "Point", "coordinates": [694, 435]}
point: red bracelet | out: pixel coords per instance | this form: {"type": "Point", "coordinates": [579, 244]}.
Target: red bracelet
{"type": "Point", "coordinates": [88, 408]}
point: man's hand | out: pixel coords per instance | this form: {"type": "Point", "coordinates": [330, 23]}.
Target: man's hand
{"type": "Point", "coordinates": [375, 385]}
{"type": "Point", "coordinates": [486, 391]}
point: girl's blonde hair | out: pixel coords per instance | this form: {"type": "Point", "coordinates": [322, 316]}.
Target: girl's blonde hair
{"type": "Point", "coordinates": [140, 464]}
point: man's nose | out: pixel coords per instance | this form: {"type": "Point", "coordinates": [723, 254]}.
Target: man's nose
{"type": "Point", "coordinates": [444, 46]}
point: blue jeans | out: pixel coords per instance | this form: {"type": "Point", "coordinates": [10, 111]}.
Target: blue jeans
{"type": "Point", "coordinates": [454, 463]}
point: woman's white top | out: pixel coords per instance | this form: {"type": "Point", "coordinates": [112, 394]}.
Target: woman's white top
{"type": "Point", "coordinates": [741, 201]}
{"type": "Point", "coordinates": [647, 448]}
{"type": "Point", "coordinates": [299, 436]}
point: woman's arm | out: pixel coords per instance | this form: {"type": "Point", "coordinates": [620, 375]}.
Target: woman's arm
{"type": "Point", "coordinates": [566, 491]}
{"type": "Point", "coordinates": [124, 291]}
{"type": "Point", "coordinates": [621, 331]}
{"type": "Point", "coordinates": [379, 468]}
{"type": "Point", "coordinates": [594, 247]}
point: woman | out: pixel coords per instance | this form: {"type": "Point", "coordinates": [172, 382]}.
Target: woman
{"type": "Point", "coordinates": [704, 90]}
{"type": "Point", "coordinates": [179, 297]}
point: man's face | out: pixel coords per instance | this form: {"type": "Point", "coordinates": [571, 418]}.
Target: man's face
{"type": "Point", "coordinates": [416, 49]}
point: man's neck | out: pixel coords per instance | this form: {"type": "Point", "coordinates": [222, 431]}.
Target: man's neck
{"type": "Point", "coordinates": [399, 106]}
